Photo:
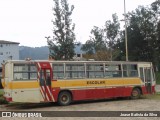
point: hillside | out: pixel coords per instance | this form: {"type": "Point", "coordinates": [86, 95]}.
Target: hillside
{"type": "Point", "coordinates": [40, 53]}
{"type": "Point", "coordinates": [36, 53]}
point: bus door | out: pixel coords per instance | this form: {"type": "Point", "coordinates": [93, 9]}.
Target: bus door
{"type": "Point", "coordinates": [145, 74]}
{"type": "Point", "coordinates": [45, 77]}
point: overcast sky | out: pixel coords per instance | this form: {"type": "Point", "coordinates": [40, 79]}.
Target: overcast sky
{"type": "Point", "coordinates": [29, 21]}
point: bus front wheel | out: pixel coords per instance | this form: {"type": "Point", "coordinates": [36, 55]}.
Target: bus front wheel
{"type": "Point", "coordinates": [135, 93]}
{"type": "Point", "coordinates": [64, 98]}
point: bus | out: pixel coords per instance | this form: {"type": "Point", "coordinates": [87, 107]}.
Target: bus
{"type": "Point", "coordinates": [37, 81]}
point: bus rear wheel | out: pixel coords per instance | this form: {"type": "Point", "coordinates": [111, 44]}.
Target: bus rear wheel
{"type": "Point", "coordinates": [64, 98]}
{"type": "Point", "coordinates": [135, 93]}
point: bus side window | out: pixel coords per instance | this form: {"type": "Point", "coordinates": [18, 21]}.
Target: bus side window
{"type": "Point", "coordinates": [58, 71]}
{"type": "Point", "coordinates": [25, 72]}
{"type": "Point", "coordinates": [94, 71]}
{"type": "Point", "coordinates": [113, 71]}
{"type": "Point", "coordinates": [75, 71]}
{"type": "Point", "coordinates": [130, 70]}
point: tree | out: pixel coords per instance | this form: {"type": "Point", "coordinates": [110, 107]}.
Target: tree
{"type": "Point", "coordinates": [112, 31]}
{"type": "Point", "coordinates": [155, 7]}
{"type": "Point", "coordinates": [62, 44]}
{"type": "Point", "coordinates": [95, 47]}
{"type": "Point", "coordinates": [89, 47]}
{"type": "Point", "coordinates": [103, 41]}
{"type": "Point", "coordinates": [96, 42]}
{"type": "Point", "coordinates": [158, 48]}
{"type": "Point", "coordinates": [142, 36]}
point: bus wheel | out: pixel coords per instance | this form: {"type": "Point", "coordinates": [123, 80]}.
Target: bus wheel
{"type": "Point", "coordinates": [64, 98]}
{"type": "Point", "coordinates": [135, 93]}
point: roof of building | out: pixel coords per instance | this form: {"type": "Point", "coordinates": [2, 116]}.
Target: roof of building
{"type": "Point", "coordinates": [8, 42]}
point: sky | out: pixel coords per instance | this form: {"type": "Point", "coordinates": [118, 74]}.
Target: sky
{"type": "Point", "coordinates": [29, 21]}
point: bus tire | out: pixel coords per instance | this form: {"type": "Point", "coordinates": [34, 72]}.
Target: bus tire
{"type": "Point", "coordinates": [136, 93]}
{"type": "Point", "coordinates": [64, 98]}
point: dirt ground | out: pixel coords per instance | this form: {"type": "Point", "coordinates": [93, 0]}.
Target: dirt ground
{"type": "Point", "coordinates": [142, 104]}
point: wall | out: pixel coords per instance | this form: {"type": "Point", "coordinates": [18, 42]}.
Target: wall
{"type": "Point", "coordinates": [9, 51]}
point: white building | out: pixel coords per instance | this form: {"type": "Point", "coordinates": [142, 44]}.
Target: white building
{"type": "Point", "coordinates": [8, 50]}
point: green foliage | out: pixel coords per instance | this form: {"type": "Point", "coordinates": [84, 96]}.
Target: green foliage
{"type": "Point", "coordinates": [143, 43]}
{"type": "Point", "coordinates": [143, 29]}
{"type": "Point", "coordinates": [157, 77]}
{"type": "Point", "coordinates": [152, 97]}
{"type": "Point", "coordinates": [2, 100]}
{"type": "Point", "coordinates": [143, 40]}
{"type": "Point", "coordinates": [1, 92]}
{"type": "Point", "coordinates": [62, 45]}
{"type": "Point", "coordinates": [96, 42]}
{"type": "Point", "coordinates": [103, 40]}
{"type": "Point", "coordinates": [88, 47]}
{"type": "Point", "coordinates": [112, 30]}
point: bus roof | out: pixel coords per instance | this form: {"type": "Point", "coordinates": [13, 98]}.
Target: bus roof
{"type": "Point", "coordinates": [94, 62]}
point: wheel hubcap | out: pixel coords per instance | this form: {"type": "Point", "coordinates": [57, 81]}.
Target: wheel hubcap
{"type": "Point", "coordinates": [64, 98]}
{"type": "Point", "coordinates": [134, 93]}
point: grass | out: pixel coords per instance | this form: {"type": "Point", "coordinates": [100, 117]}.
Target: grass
{"type": "Point", "coordinates": [1, 92]}
{"type": "Point", "coordinates": [2, 100]}
{"type": "Point", "coordinates": [153, 97]}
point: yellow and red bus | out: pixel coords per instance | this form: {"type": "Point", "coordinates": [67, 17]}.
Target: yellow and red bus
{"type": "Point", "coordinates": [38, 81]}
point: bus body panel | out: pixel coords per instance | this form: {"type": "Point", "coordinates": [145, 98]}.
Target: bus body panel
{"type": "Point", "coordinates": [98, 88]}
{"type": "Point", "coordinates": [80, 91]}
{"type": "Point", "coordinates": [27, 95]}
{"type": "Point", "coordinates": [25, 90]}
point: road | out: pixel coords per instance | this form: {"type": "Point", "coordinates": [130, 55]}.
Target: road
{"type": "Point", "coordinates": [142, 104]}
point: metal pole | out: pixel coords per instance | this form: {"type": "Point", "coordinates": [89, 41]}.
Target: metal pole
{"type": "Point", "coordinates": [49, 47]}
{"type": "Point", "coordinates": [125, 31]}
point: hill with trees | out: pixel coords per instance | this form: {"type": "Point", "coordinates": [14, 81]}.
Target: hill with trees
{"type": "Point", "coordinates": [35, 53]}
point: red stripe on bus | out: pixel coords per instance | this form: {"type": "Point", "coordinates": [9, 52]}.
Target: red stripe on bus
{"type": "Point", "coordinates": [102, 93]}
{"type": "Point", "coordinates": [47, 94]}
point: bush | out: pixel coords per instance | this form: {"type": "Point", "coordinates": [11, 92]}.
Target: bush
{"type": "Point", "coordinates": [158, 78]}
{"type": "Point", "coordinates": [2, 100]}
{"type": "Point", "coordinates": [1, 92]}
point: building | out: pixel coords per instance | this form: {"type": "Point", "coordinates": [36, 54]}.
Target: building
{"type": "Point", "coordinates": [8, 50]}
{"type": "Point", "coordinates": [78, 52]}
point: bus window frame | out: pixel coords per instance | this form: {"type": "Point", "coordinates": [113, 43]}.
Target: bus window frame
{"type": "Point", "coordinates": [58, 71]}
{"type": "Point", "coordinates": [129, 71]}
{"type": "Point", "coordinates": [72, 71]}
{"type": "Point", "coordinates": [112, 71]}
{"type": "Point", "coordinates": [28, 72]}
{"type": "Point", "coordinates": [94, 71]}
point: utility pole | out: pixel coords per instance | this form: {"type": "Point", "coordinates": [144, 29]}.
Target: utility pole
{"type": "Point", "coordinates": [126, 41]}
{"type": "Point", "coordinates": [47, 37]}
